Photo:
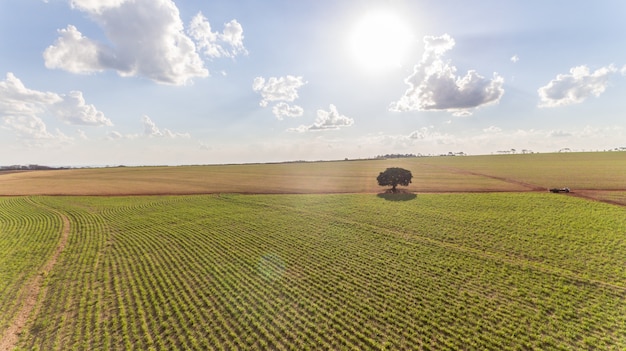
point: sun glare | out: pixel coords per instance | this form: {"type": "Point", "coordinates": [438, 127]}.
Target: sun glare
{"type": "Point", "coordinates": [380, 40]}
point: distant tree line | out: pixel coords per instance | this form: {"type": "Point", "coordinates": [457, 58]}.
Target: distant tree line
{"type": "Point", "coordinates": [396, 156]}
{"type": "Point", "coordinates": [26, 168]}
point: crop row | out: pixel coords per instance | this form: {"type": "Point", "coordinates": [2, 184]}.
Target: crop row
{"type": "Point", "coordinates": [28, 235]}
{"type": "Point", "coordinates": [539, 228]}
{"type": "Point", "coordinates": [330, 272]}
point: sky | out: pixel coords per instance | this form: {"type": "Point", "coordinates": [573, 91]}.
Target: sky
{"type": "Point", "coordinates": [163, 82]}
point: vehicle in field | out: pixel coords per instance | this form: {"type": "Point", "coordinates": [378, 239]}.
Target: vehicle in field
{"type": "Point", "coordinates": [559, 190]}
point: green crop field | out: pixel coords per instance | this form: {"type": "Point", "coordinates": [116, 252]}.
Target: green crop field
{"type": "Point", "coordinates": [470, 271]}
{"type": "Point", "coordinates": [477, 255]}
{"type": "Point", "coordinates": [28, 236]}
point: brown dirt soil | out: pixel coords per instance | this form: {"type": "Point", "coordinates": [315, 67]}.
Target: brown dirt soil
{"type": "Point", "coordinates": [593, 195]}
{"type": "Point", "coordinates": [33, 290]}
{"type": "Point", "coordinates": [313, 178]}
{"type": "Point", "coordinates": [599, 195]}
{"type": "Point", "coordinates": [532, 187]}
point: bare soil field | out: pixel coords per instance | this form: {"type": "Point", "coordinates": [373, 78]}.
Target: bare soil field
{"type": "Point", "coordinates": [600, 176]}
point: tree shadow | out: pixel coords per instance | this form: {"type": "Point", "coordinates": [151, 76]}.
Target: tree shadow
{"type": "Point", "coordinates": [397, 196]}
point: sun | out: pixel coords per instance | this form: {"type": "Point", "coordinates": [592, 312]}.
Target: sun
{"type": "Point", "coordinates": [380, 40]}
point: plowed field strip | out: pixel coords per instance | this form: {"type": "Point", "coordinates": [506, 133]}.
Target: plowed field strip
{"type": "Point", "coordinates": [532, 187]}
{"type": "Point", "coordinates": [34, 288]}
{"type": "Point", "coordinates": [581, 193]}
{"type": "Point", "coordinates": [595, 195]}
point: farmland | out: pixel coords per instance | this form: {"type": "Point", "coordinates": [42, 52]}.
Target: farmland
{"type": "Point", "coordinates": [580, 171]}
{"type": "Point", "coordinates": [506, 269]}
{"type": "Point", "coordinates": [440, 271]}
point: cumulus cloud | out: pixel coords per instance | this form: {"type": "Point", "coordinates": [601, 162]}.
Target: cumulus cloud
{"type": "Point", "coordinates": [147, 38]}
{"type": "Point", "coordinates": [326, 120]}
{"type": "Point", "coordinates": [73, 110]}
{"type": "Point", "coordinates": [514, 58]}
{"type": "Point", "coordinates": [75, 53]}
{"type": "Point", "coordinates": [283, 90]}
{"type": "Point", "coordinates": [22, 109]}
{"type": "Point", "coordinates": [29, 127]}
{"type": "Point", "coordinates": [575, 87]}
{"type": "Point", "coordinates": [150, 129]}
{"type": "Point", "coordinates": [429, 134]}
{"type": "Point", "coordinates": [16, 99]}
{"type": "Point", "coordinates": [283, 109]}
{"type": "Point", "coordinates": [32, 132]}
{"type": "Point", "coordinates": [277, 88]}
{"type": "Point", "coordinates": [435, 86]}
{"type": "Point", "coordinates": [95, 6]}
{"type": "Point", "coordinates": [229, 43]}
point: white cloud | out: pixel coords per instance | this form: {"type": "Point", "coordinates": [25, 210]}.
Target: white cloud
{"type": "Point", "coordinates": [575, 87]}
{"type": "Point", "coordinates": [598, 132]}
{"type": "Point", "coordinates": [514, 58]}
{"type": "Point", "coordinates": [233, 36]}
{"type": "Point", "coordinates": [538, 140]}
{"type": "Point", "coordinates": [75, 53]}
{"type": "Point", "coordinates": [429, 140]}
{"type": "Point", "coordinates": [559, 134]}
{"type": "Point", "coordinates": [150, 129]}
{"type": "Point", "coordinates": [147, 39]}
{"type": "Point", "coordinates": [429, 134]}
{"type": "Point", "coordinates": [32, 132]}
{"type": "Point", "coordinates": [461, 113]}
{"type": "Point", "coordinates": [419, 134]}
{"type": "Point", "coordinates": [95, 6]}
{"type": "Point", "coordinates": [22, 109]}
{"type": "Point", "coordinates": [326, 120]}
{"type": "Point", "coordinates": [72, 109]}
{"type": "Point", "coordinates": [283, 109]}
{"type": "Point", "coordinates": [113, 135]}
{"type": "Point", "coordinates": [434, 84]}
{"type": "Point", "coordinates": [29, 127]}
{"type": "Point", "coordinates": [277, 88]}
{"type": "Point", "coordinates": [229, 43]}
{"type": "Point", "coordinates": [425, 140]}
{"type": "Point", "coordinates": [16, 99]}
{"type": "Point", "coordinates": [492, 129]}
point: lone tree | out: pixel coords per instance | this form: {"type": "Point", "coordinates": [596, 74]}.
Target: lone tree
{"type": "Point", "coordinates": [394, 176]}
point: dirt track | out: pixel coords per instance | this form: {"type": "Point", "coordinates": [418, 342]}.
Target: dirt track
{"type": "Point", "coordinates": [34, 288]}
{"type": "Point", "coordinates": [531, 187]}
{"type": "Point", "coordinates": [587, 194]}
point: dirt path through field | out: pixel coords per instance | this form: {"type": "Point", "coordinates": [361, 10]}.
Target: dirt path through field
{"type": "Point", "coordinates": [593, 195]}
{"type": "Point", "coordinates": [531, 187]}
{"type": "Point", "coordinates": [587, 194]}
{"type": "Point", "coordinates": [34, 288]}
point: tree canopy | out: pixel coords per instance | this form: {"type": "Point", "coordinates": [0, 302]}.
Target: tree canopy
{"type": "Point", "coordinates": [394, 176]}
